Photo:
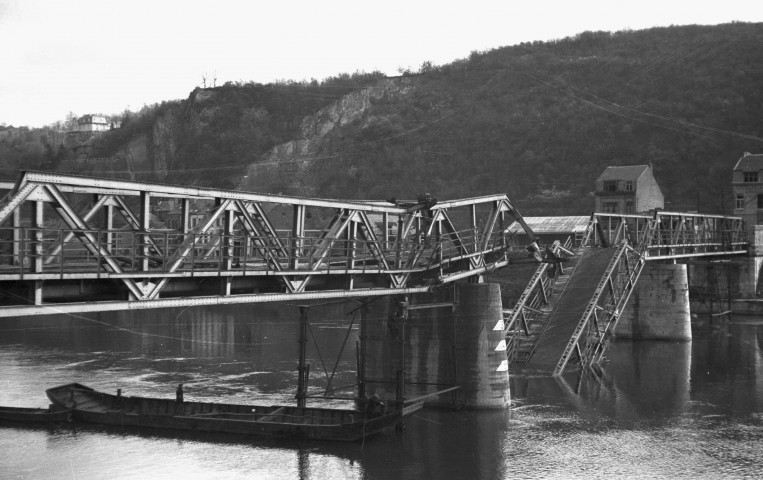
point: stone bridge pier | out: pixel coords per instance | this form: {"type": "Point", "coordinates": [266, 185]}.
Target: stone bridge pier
{"type": "Point", "coordinates": [436, 341]}
{"type": "Point", "coordinates": [660, 306]}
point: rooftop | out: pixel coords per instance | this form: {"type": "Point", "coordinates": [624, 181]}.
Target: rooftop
{"type": "Point", "coordinates": [542, 225]}
{"type": "Point", "coordinates": [750, 161]}
{"type": "Point", "coordinates": [626, 172]}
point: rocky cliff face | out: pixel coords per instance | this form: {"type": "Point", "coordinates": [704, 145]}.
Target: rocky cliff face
{"type": "Point", "coordinates": [147, 156]}
{"type": "Point", "coordinates": [183, 144]}
{"type": "Point", "coordinates": [162, 144]}
{"type": "Point", "coordinates": [287, 165]}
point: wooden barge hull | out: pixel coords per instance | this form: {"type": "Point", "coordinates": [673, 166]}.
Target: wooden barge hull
{"type": "Point", "coordinates": [33, 415]}
{"type": "Point", "coordinates": [88, 405]}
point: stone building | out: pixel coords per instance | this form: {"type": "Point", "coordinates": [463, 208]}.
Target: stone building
{"type": "Point", "coordinates": [93, 123]}
{"type": "Point", "coordinates": [627, 189]}
{"type": "Point", "coordinates": [747, 183]}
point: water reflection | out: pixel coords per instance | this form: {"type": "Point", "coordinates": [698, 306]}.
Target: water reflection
{"type": "Point", "coordinates": [239, 353]}
{"type": "Point", "coordinates": [728, 366]}
{"type": "Point", "coordinates": [659, 410]}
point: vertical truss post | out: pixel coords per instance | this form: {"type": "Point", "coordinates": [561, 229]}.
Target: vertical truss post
{"type": "Point", "coordinates": [227, 237]}
{"type": "Point", "coordinates": [145, 225]}
{"type": "Point", "coordinates": [108, 224]}
{"type": "Point", "coordinates": [185, 208]}
{"type": "Point", "coordinates": [36, 249]}
{"type": "Point", "coordinates": [502, 220]}
{"type": "Point", "coordinates": [351, 253]}
{"type": "Point", "coordinates": [473, 221]}
{"type": "Point", "coordinates": [226, 250]}
{"type": "Point", "coordinates": [400, 242]}
{"type": "Point", "coordinates": [297, 235]}
{"type": "Point", "coordinates": [385, 234]}
{"type": "Point", "coordinates": [35, 245]}
{"type": "Point", "coordinates": [438, 244]}
{"type": "Point", "coordinates": [17, 236]}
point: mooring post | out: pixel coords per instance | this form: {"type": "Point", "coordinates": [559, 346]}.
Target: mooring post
{"type": "Point", "coordinates": [302, 370]}
{"type": "Point", "coordinates": [362, 353]}
{"type": "Point", "coordinates": [400, 390]}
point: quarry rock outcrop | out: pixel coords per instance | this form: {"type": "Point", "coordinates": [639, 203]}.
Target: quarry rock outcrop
{"type": "Point", "coordinates": [291, 160]}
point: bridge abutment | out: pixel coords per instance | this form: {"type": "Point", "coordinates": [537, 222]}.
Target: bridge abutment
{"type": "Point", "coordinates": [449, 339]}
{"type": "Point", "coordinates": [659, 305]}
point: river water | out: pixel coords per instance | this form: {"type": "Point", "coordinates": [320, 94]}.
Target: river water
{"type": "Point", "coordinates": [661, 409]}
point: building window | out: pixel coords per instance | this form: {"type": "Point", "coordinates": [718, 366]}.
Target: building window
{"type": "Point", "coordinates": [628, 207]}
{"type": "Point", "coordinates": [629, 186]}
{"type": "Point", "coordinates": [610, 186]}
{"type": "Point", "coordinates": [609, 207]}
{"type": "Point", "coordinates": [760, 202]}
{"type": "Point", "coordinates": [750, 177]}
{"type": "Point", "coordinates": [740, 201]}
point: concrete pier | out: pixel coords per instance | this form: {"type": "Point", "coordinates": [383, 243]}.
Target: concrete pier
{"type": "Point", "coordinates": [717, 280]}
{"type": "Point", "coordinates": [449, 338]}
{"type": "Point", "coordinates": [659, 306]}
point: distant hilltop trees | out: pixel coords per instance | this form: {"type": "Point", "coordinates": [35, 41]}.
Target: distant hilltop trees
{"type": "Point", "coordinates": [539, 121]}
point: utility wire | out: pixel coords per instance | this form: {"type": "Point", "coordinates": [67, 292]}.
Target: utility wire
{"type": "Point", "coordinates": [571, 91]}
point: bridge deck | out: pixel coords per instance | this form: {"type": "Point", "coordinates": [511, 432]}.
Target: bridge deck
{"type": "Point", "coordinates": [72, 241]}
{"type": "Point", "coordinates": [569, 308]}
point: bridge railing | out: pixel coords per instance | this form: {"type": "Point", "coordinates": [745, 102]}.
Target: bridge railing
{"type": "Point", "coordinates": [674, 233]}
{"type": "Point", "coordinates": [153, 240]}
{"type": "Point", "coordinates": [532, 307]}
{"type": "Point", "coordinates": [44, 250]}
{"type": "Point", "coordinates": [607, 229]}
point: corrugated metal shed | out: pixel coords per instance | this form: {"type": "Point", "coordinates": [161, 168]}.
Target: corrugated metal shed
{"type": "Point", "coordinates": [545, 225]}
{"type": "Point", "coordinates": [628, 172]}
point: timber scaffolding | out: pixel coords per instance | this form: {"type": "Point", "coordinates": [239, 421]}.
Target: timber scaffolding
{"type": "Point", "coordinates": [552, 325]}
{"type": "Point", "coordinates": [77, 244]}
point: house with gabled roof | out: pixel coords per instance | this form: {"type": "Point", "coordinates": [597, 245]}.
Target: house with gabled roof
{"type": "Point", "coordinates": [93, 123]}
{"type": "Point", "coordinates": [747, 183]}
{"type": "Point", "coordinates": [627, 189]}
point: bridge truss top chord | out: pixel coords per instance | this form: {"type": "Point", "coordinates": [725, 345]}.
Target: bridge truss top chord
{"type": "Point", "coordinates": [126, 245]}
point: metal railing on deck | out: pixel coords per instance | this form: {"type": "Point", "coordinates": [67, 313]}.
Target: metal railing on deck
{"type": "Point", "coordinates": [67, 251]}
{"type": "Point", "coordinates": [529, 306]}
{"type": "Point", "coordinates": [674, 234]}
{"type": "Point", "coordinates": [591, 334]}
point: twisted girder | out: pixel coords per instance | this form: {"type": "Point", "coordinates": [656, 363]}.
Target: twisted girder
{"type": "Point", "coordinates": [639, 238]}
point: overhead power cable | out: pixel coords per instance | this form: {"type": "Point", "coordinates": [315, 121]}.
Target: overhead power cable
{"type": "Point", "coordinates": [571, 91]}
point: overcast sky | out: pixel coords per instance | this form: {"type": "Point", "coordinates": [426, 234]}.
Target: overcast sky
{"type": "Point", "coordinates": [102, 56]}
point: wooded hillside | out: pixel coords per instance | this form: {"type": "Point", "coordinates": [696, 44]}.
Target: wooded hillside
{"type": "Point", "coordinates": [537, 121]}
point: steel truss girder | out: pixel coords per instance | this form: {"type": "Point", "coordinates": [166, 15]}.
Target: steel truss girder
{"type": "Point", "coordinates": [531, 302]}
{"type": "Point", "coordinates": [427, 238]}
{"type": "Point", "coordinates": [70, 216]}
{"type": "Point", "coordinates": [674, 234]}
{"type": "Point", "coordinates": [590, 336]}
